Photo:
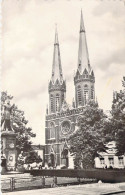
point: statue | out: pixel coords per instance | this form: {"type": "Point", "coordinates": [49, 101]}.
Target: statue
{"type": "Point", "coordinates": [8, 137]}
{"type": "Point", "coordinates": [5, 119]}
{"type": "Point", "coordinates": [123, 82]}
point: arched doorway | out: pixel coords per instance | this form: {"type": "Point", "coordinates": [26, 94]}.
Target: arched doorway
{"type": "Point", "coordinates": [64, 157]}
{"type": "Point", "coordinates": [52, 159]}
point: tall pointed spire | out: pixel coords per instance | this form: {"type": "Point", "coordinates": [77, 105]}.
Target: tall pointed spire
{"type": "Point", "coordinates": [56, 36]}
{"type": "Point", "coordinates": [56, 68]}
{"type": "Point", "coordinates": [84, 78]}
{"type": "Point", "coordinates": [82, 28]}
{"type": "Point", "coordinates": [83, 57]}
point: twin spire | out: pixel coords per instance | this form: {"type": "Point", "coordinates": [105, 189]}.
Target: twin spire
{"type": "Point", "coordinates": [83, 57]}
{"type": "Point", "coordinates": [56, 68]}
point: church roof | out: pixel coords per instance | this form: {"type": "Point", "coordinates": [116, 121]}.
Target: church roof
{"type": "Point", "coordinates": [83, 56]}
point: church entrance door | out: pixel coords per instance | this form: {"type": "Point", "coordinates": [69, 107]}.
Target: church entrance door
{"type": "Point", "coordinates": [64, 158]}
{"type": "Point", "coordinates": [52, 159]}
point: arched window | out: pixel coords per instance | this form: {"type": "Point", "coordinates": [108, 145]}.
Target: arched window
{"type": "Point", "coordinates": [92, 92]}
{"type": "Point", "coordinates": [79, 95]}
{"type": "Point", "coordinates": [52, 131]}
{"type": "Point", "coordinates": [86, 94]}
{"type": "Point", "coordinates": [51, 103]}
{"type": "Point", "coordinates": [57, 102]}
{"type": "Point", "coordinates": [62, 97]}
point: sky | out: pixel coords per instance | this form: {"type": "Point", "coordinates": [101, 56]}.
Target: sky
{"type": "Point", "coordinates": [28, 30]}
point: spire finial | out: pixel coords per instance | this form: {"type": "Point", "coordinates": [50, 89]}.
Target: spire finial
{"type": "Point", "coordinates": [82, 28]}
{"type": "Point", "coordinates": [96, 100]}
{"type": "Point", "coordinates": [56, 34]}
{"type": "Point", "coordinates": [73, 103]}
{"type": "Point", "coordinates": [56, 27]}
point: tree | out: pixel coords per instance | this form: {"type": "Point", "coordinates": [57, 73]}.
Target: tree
{"type": "Point", "coordinates": [19, 126]}
{"type": "Point", "coordinates": [86, 142]}
{"type": "Point", "coordinates": [118, 119]}
{"type": "Point", "coordinates": [32, 157]}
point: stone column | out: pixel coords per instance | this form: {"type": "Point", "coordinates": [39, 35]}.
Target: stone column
{"type": "Point", "coordinates": [8, 139]}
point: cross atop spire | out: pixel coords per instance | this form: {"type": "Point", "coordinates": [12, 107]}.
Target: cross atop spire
{"type": "Point", "coordinates": [83, 56]}
{"type": "Point", "coordinates": [56, 67]}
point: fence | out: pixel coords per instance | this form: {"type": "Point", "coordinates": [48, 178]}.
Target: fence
{"type": "Point", "coordinates": [52, 178]}
{"type": "Point", "coordinates": [31, 182]}
{"type": "Point", "coordinates": [21, 183]}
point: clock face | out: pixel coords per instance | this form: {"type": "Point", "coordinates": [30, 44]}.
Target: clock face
{"type": "Point", "coordinates": [11, 145]}
{"type": "Point", "coordinates": [11, 158]}
{"type": "Point", "coordinates": [66, 127]}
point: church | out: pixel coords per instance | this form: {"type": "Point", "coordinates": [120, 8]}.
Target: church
{"type": "Point", "coordinates": [61, 118]}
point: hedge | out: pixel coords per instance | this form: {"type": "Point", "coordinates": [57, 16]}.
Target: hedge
{"type": "Point", "coordinates": [99, 174]}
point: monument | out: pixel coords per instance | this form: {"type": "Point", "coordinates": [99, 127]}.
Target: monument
{"type": "Point", "coordinates": [8, 139]}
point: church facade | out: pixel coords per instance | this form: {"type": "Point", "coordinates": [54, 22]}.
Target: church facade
{"type": "Point", "coordinates": [61, 118]}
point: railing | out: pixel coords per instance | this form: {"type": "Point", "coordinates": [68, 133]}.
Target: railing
{"type": "Point", "coordinates": [31, 182]}
{"type": "Point", "coordinates": [52, 178]}
{"type": "Point", "coordinates": [21, 183]}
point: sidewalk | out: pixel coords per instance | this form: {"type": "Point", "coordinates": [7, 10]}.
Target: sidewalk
{"type": "Point", "coordinates": [87, 189]}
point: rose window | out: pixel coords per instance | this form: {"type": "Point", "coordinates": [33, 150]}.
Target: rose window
{"type": "Point", "coordinates": [65, 127]}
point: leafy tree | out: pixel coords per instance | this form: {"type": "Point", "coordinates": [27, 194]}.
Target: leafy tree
{"type": "Point", "coordinates": [118, 119]}
{"type": "Point", "coordinates": [89, 139]}
{"type": "Point", "coordinates": [19, 125]}
{"type": "Point", "coordinates": [32, 157]}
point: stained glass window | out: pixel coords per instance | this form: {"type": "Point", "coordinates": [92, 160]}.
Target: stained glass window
{"type": "Point", "coordinates": [51, 103]}
{"type": "Point", "coordinates": [79, 95]}
{"type": "Point", "coordinates": [86, 93]}
{"type": "Point", "coordinates": [52, 131]}
{"type": "Point", "coordinates": [57, 102]}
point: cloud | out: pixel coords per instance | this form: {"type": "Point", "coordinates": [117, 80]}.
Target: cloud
{"type": "Point", "coordinates": [117, 57]}
{"type": "Point", "coordinates": [28, 37]}
{"type": "Point", "coordinates": [105, 7]}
